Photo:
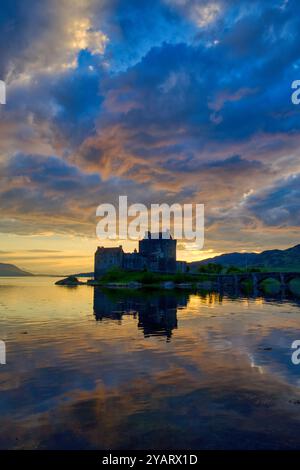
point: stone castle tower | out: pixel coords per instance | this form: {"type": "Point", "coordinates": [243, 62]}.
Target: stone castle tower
{"type": "Point", "coordinates": [156, 254]}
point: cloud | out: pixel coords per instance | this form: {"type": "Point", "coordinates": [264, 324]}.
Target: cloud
{"type": "Point", "coordinates": [47, 36]}
{"type": "Point", "coordinates": [45, 194]}
{"type": "Point", "coordinates": [166, 101]}
{"type": "Point", "coordinates": [278, 205]}
{"type": "Point", "coordinates": [206, 14]}
{"type": "Point", "coordinates": [201, 13]}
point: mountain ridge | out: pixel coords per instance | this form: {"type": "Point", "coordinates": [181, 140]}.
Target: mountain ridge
{"type": "Point", "coordinates": [287, 258]}
{"type": "Point", "coordinates": [7, 270]}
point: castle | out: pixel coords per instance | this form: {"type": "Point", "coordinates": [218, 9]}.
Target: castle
{"type": "Point", "coordinates": [156, 254]}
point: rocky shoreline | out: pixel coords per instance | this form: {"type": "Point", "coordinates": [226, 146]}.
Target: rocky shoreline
{"type": "Point", "coordinates": [72, 281]}
{"type": "Point", "coordinates": [268, 287]}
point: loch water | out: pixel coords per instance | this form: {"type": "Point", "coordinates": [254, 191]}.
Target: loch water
{"type": "Point", "coordinates": [91, 368]}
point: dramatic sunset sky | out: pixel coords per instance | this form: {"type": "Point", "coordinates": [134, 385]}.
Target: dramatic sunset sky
{"type": "Point", "coordinates": [161, 100]}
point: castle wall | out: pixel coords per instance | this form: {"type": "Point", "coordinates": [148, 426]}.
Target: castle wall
{"type": "Point", "coordinates": [107, 258]}
{"type": "Point", "coordinates": [156, 255]}
{"type": "Point", "coordinates": [181, 266]}
{"type": "Point", "coordinates": [134, 262]}
{"type": "Point", "coordinates": [160, 253]}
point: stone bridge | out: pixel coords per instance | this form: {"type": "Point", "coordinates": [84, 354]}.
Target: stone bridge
{"type": "Point", "coordinates": [235, 280]}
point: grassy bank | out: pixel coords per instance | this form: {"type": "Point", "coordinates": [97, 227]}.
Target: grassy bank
{"type": "Point", "coordinates": [148, 278]}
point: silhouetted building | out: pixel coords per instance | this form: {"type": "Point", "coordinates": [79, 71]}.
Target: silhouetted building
{"type": "Point", "coordinates": [156, 254]}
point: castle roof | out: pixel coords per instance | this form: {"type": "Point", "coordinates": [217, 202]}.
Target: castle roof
{"type": "Point", "coordinates": [114, 249]}
{"type": "Point", "coordinates": [158, 236]}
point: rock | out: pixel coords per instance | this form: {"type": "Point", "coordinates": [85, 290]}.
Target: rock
{"type": "Point", "coordinates": [69, 281]}
{"type": "Point", "coordinates": [93, 282]}
{"type": "Point", "coordinates": [134, 285]}
{"type": "Point", "coordinates": [168, 285]}
{"type": "Point", "coordinates": [115, 285]}
{"type": "Point", "coordinates": [121, 285]}
{"type": "Point", "coordinates": [184, 285]}
{"type": "Point", "coordinates": [206, 285]}
{"type": "Point", "coordinates": [295, 402]}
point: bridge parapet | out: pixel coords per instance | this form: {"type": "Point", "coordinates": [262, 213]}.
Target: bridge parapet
{"type": "Point", "coordinates": [235, 280]}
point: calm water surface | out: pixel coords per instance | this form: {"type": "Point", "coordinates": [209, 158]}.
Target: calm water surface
{"type": "Point", "coordinates": [103, 369]}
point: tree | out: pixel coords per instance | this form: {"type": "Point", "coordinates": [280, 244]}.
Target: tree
{"type": "Point", "coordinates": [211, 268]}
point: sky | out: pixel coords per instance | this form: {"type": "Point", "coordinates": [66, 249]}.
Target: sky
{"type": "Point", "coordinates": [165, 101]}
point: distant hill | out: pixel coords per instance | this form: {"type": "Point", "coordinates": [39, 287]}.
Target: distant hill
{"type": "Point", "coordinates": [12, 270]}
{"type": "Point", "coordinates": [288, 259]}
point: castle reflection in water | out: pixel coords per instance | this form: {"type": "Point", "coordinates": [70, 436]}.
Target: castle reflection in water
{"type": "Point", "coordinates": [156, 310]}
{"type": "Point", "coordinates": [156, 313]}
